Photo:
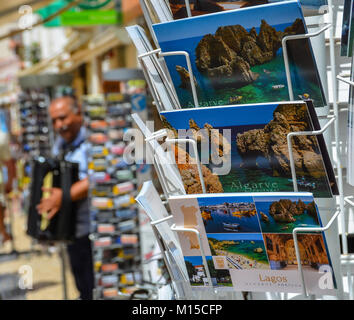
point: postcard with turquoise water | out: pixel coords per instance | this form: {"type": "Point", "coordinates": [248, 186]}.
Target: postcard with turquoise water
{"type": "Point", "coordinates": [237, 58]}
{"type": "Point", "coordinates": [284, 214]}
{"type": "Point", "coordinates": [242, 251]}
{"type": "Point", "coordinates": [198, 276]}
{"type": "Point", "coordinates": [200, 7]}
{"type": "Point", "coordinates": [254, 257]}
{"type": "Point", "coordinates": [251, 141]}
{"type": "Point", "coordinates": [229, 214]}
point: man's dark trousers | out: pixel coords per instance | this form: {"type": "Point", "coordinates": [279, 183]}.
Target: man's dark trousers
{"type": "Point", "coordinates": [80, 255]}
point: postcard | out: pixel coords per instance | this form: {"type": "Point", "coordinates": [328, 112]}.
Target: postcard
{"type": "Point", "coordinates": [346, 28]}
{"type": "Point", "coordinates": [351, 31]}
{"type": "Point", "coordinates": [201, 7]}
{"type": "Point", "coordinates": [236, 56]}
{"type": "Point", "coordinates": [350, 132]}
{"type": "Point", "coordinates": [248, 243]}
{"type": "Point", "coordinates": [244, 148]}
{"type": "Point", "coordinates": [323, 147]}
{"type": "Point", "coordinates": [161, 91]}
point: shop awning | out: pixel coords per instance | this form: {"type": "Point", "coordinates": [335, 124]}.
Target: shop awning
{"type": "Point", "coordinates": [82, 47]}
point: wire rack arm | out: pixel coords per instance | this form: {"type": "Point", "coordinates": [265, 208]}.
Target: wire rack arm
{"type": "Point", "coordinates": [195, 149]}
{"type": "Point", "coordinates": [190, 71]}
{"type": "Point", "coordinates": [286, 57]}
{"type": "Point", "coordinates": [164, 78]}
{"type": "Point", "coordinates": [196, 232]}
{"type": "Point", "coordinates": [345, 80]}
{"type": "Point", "coordinates": [290, 147]}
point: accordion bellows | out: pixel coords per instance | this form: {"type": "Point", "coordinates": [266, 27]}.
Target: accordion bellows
{"type": "Point", "coordinates": [62, 226]}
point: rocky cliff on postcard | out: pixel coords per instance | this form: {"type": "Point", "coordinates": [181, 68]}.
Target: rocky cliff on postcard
{"type": "Point", "coordinates": [237, 56]}
{"type": "Point", "coordinates": [232, 51]}
{"type": "Point", "coordinates": [271, 143]}
{"type": "Point", "coordinates": [251, 141]}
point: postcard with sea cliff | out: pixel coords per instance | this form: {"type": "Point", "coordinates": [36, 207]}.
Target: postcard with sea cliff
{"type": "Point", "coordinates": [244, 148]}
{"type": "Point", "coordinates": [248, 242]}
{"type": "Point", "coordinates": [237, 57]}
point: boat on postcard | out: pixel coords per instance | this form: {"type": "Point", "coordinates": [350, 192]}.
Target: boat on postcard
{"type": "Point", "coordinates": [278, 86]}
{"type": "Point", "coordinates": [303, 183]}
{"type": "Point", "coordinates": [231, 226]}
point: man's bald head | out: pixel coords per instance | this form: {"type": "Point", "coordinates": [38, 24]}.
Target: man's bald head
{"type": "Point", "coordinates": [65, 101]}
{"type": "Point", "coordinates": [65, 117]}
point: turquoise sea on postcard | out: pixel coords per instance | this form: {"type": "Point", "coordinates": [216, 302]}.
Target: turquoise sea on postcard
{"type": "Point", "coordinates": [229, 215]}
{"type": "Point", "coordinates": [250, 171]}
{"type": "Point", "coordinates": [260, 178]}
{"type": "Point", "coordinates": [269, 224]}
{"type": "Point", "coordinates": [269, 82]}
{"type": "Point", "coordinates": [243, 251]}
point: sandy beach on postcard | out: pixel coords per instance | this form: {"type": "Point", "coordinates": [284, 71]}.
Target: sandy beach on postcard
{"type": "Point", "coordinates": [237, 261]}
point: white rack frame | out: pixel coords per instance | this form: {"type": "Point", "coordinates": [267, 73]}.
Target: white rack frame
{"type": "Point", "coordinates": [333, 120]}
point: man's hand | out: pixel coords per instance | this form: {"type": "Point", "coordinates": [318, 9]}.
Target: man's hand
{"type": "Point", "coordinates": [52, 204]}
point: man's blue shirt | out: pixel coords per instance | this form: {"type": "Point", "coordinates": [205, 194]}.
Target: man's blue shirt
{"type": "Point", "coordinates": [78, 153]}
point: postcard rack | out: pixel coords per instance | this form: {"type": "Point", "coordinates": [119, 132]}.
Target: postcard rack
{"type": "Point", "coordinates": [179, 282]}
{"type": "Point", "coordinates": [177, 229]}
{"type": "Point", "coordinates": [158, 53]}
{"type": "Point", "coordinates": [347, 258]}
{"type": "Point", "coordinates": [37, 138]}
{"type": "Point", "coordinates": [332, 120]}
{"type": "Point", "coordinates": [168, 186]}
{"type": "Point", "coordinates": [114, 214]}
{"type": "Point", "coordinates": [179, 279]}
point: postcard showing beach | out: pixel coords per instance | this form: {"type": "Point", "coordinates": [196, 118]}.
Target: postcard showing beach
{"type": "Point", "coordinates": [282, 281]}
{"type": "Point", "coordinates": [237, 57]}
{"type": "Point", "coordinates": [281, 214]}
{"type": "Point", "coordinates": [229, 214]}
{"type": "Point", "coordinates": [242, 251]}
{"type": "Point", "coordinates": [251, 143]}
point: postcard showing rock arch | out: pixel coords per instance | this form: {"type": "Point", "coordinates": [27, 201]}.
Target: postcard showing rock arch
{"type": "Point", "coordinates": [250, 142]}
{"type": "Point", "coordinates": [237, 56]}
{"type": "Point", "coordinates": [281, 214]}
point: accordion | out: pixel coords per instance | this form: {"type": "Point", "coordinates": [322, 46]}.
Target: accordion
{"type": "Point", "coordinates": [57, 174]}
